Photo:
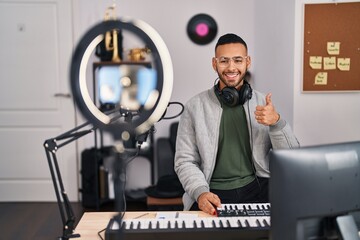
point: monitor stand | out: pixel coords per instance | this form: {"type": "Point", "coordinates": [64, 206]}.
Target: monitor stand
{"type": "Point", "coordinates": [347, 227]}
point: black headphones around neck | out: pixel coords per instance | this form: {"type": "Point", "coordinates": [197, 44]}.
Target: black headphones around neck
{"type": "Point", "coordinates": [233, 97]}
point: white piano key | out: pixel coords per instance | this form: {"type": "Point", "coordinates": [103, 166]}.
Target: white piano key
{"type": "Point", "coordinates": [172, 223]}
{"type": "Point", "coordinates": [179, 223]}
{"type": "Point", "coordinates": [189, 223]}
{"type": "Point", "coordinates": [223, 222]}
{"type": "Point", "coordinates": [163, 223]}
{"type": "Point", "coordinates": [233, 222]}
{"type": "Point", "coordinates": [115, 226]}
{"type": "Point", "coordinates": [153, 223]}
{"type": "Point", "coordinates": [252, 221]}
{"type": "Point", "coordinates": [135, 224]}
{"type": "Point", "coordinates": [144, 224]}
{"type": "Point", "coordinates": [243, 221]}
{"type": "Point", "coordinates": [264, 221]}
{"type": "Point", "coordinates": [208, 222]}
{"type": "Point", "coordinates": [216, 222]}
{"type": "Point", "coordinates": [198, 222]}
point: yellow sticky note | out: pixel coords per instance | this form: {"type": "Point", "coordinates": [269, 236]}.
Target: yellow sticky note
{"type": "Point", "coordinates": [315, 62]}
{"type": "Point", "coordinates": [333, 48]}
{"type": "Point", "coordinates": [343, 64]}
{"type": "Point", "coordinates": [321, 78]}
{"type": "Point", "coordinates": [329, 63]}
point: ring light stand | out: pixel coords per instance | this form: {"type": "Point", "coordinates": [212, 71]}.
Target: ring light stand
{"type": "Point", "coordinates": [146, 118]}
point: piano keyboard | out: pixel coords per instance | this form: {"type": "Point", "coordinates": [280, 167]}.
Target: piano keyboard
{"type": "Point", "coordinates": [251, 223]}
{"type": "Point", "coordinates": [238, 210]}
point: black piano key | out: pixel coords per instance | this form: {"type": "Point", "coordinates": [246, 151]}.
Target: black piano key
{"type": "Point", "coordinates": [239, 223]}
{"type": "Point", "coordinates": [157, 224]}
{"type": "Point", "coordinates": [266, 223]}
{"type": "Point", "coordinates": [176, 225]}
{"type": "Point", "coordinates": [195, 224]}
{"type": "Point", "coordinates": [221, 224]}
{"type": "Point", "coordinates": [228, 223]}
{"type": "Point", "coordinates": [123, 225]}
{"type": "Point", "coordinates": [258, 223]}
{"type": "Point", "coordinates": [150, 225]}
{"type": "Point", "coordinates": [213, 223]}
{"type": "Point", "coordinates": [247, 224]}
{"type": "Point", "coordinates": [202, 224]}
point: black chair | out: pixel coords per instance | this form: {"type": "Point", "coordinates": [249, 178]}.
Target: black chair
{"type": "Point", "coordinates": [165, 152]}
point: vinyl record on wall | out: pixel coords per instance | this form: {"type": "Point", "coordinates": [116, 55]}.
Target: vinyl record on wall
{"type": "Point", "coordinates": [202, 29]}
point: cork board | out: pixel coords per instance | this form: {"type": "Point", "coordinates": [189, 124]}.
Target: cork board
{"type": "Point", "coordinates": [331, 47]}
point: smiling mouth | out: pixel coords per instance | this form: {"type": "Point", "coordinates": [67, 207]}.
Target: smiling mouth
{"type": "Point", "coordinates": [231, 75]}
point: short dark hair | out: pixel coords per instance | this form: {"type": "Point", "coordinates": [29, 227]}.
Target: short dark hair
{"type": "Point", "coordinates": [230, 38]}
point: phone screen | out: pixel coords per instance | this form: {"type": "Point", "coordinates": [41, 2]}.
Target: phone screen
{"type": "Point", "coordinates": [126, 85]}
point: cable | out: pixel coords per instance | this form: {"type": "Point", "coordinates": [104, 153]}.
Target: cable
{"type": "Point", "coordinates": [99, 233]}
{"type": "Point", "coordinates": [172, 117]}
{"type": "Point", "coordinates": [131, 158]}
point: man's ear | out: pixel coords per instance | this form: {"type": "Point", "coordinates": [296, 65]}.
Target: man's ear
{"type": "Point", "coordinates": [248, 63]}
{"type": "Point", "coordinates": [214, 64]}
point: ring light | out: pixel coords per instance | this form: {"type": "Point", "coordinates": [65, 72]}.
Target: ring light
{"type": "Point", "coordinates": [161, 63]}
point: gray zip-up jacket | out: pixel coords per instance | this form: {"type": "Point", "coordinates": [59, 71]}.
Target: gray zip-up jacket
{"type": "Point", "coordinates": [198, 135]}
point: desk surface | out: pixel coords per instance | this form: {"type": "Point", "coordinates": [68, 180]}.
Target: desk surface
{"type": "Point", "coordinates": [93, 222]}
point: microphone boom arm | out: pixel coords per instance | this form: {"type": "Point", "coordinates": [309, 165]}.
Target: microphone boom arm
{"type": "Point", "coordinates": [51, 146]}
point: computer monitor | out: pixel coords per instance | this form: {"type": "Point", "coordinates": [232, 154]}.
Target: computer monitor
{"type": "Point", "coordinates": [314, 190]}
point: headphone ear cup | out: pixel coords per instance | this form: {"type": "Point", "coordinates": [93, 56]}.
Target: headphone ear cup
{"type": "Point", "coordinates": [230, 96]}
{"type": "Point", "coordinates": [245, 93]}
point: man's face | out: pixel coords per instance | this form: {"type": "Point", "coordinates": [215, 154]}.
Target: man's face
{"type": "Point", "coordinates": [231, 63]}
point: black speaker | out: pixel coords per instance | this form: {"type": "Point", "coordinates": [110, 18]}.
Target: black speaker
{"type": "Point", "coordinates": [93, 183]}
{"type": "Point", "coordinates": [233, 97]}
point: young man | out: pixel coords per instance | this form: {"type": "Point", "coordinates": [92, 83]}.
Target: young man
{"type": "Point", "coordinates": [225, 135]}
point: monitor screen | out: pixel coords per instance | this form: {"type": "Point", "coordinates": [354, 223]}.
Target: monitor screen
{"type": "Point", "coordinates": [312, 189]}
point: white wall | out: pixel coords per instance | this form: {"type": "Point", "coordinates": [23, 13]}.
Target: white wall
{"type": "Point", "coordinates": [274, 53]}
{"type": "Point", "coordinates": [321, 118]}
